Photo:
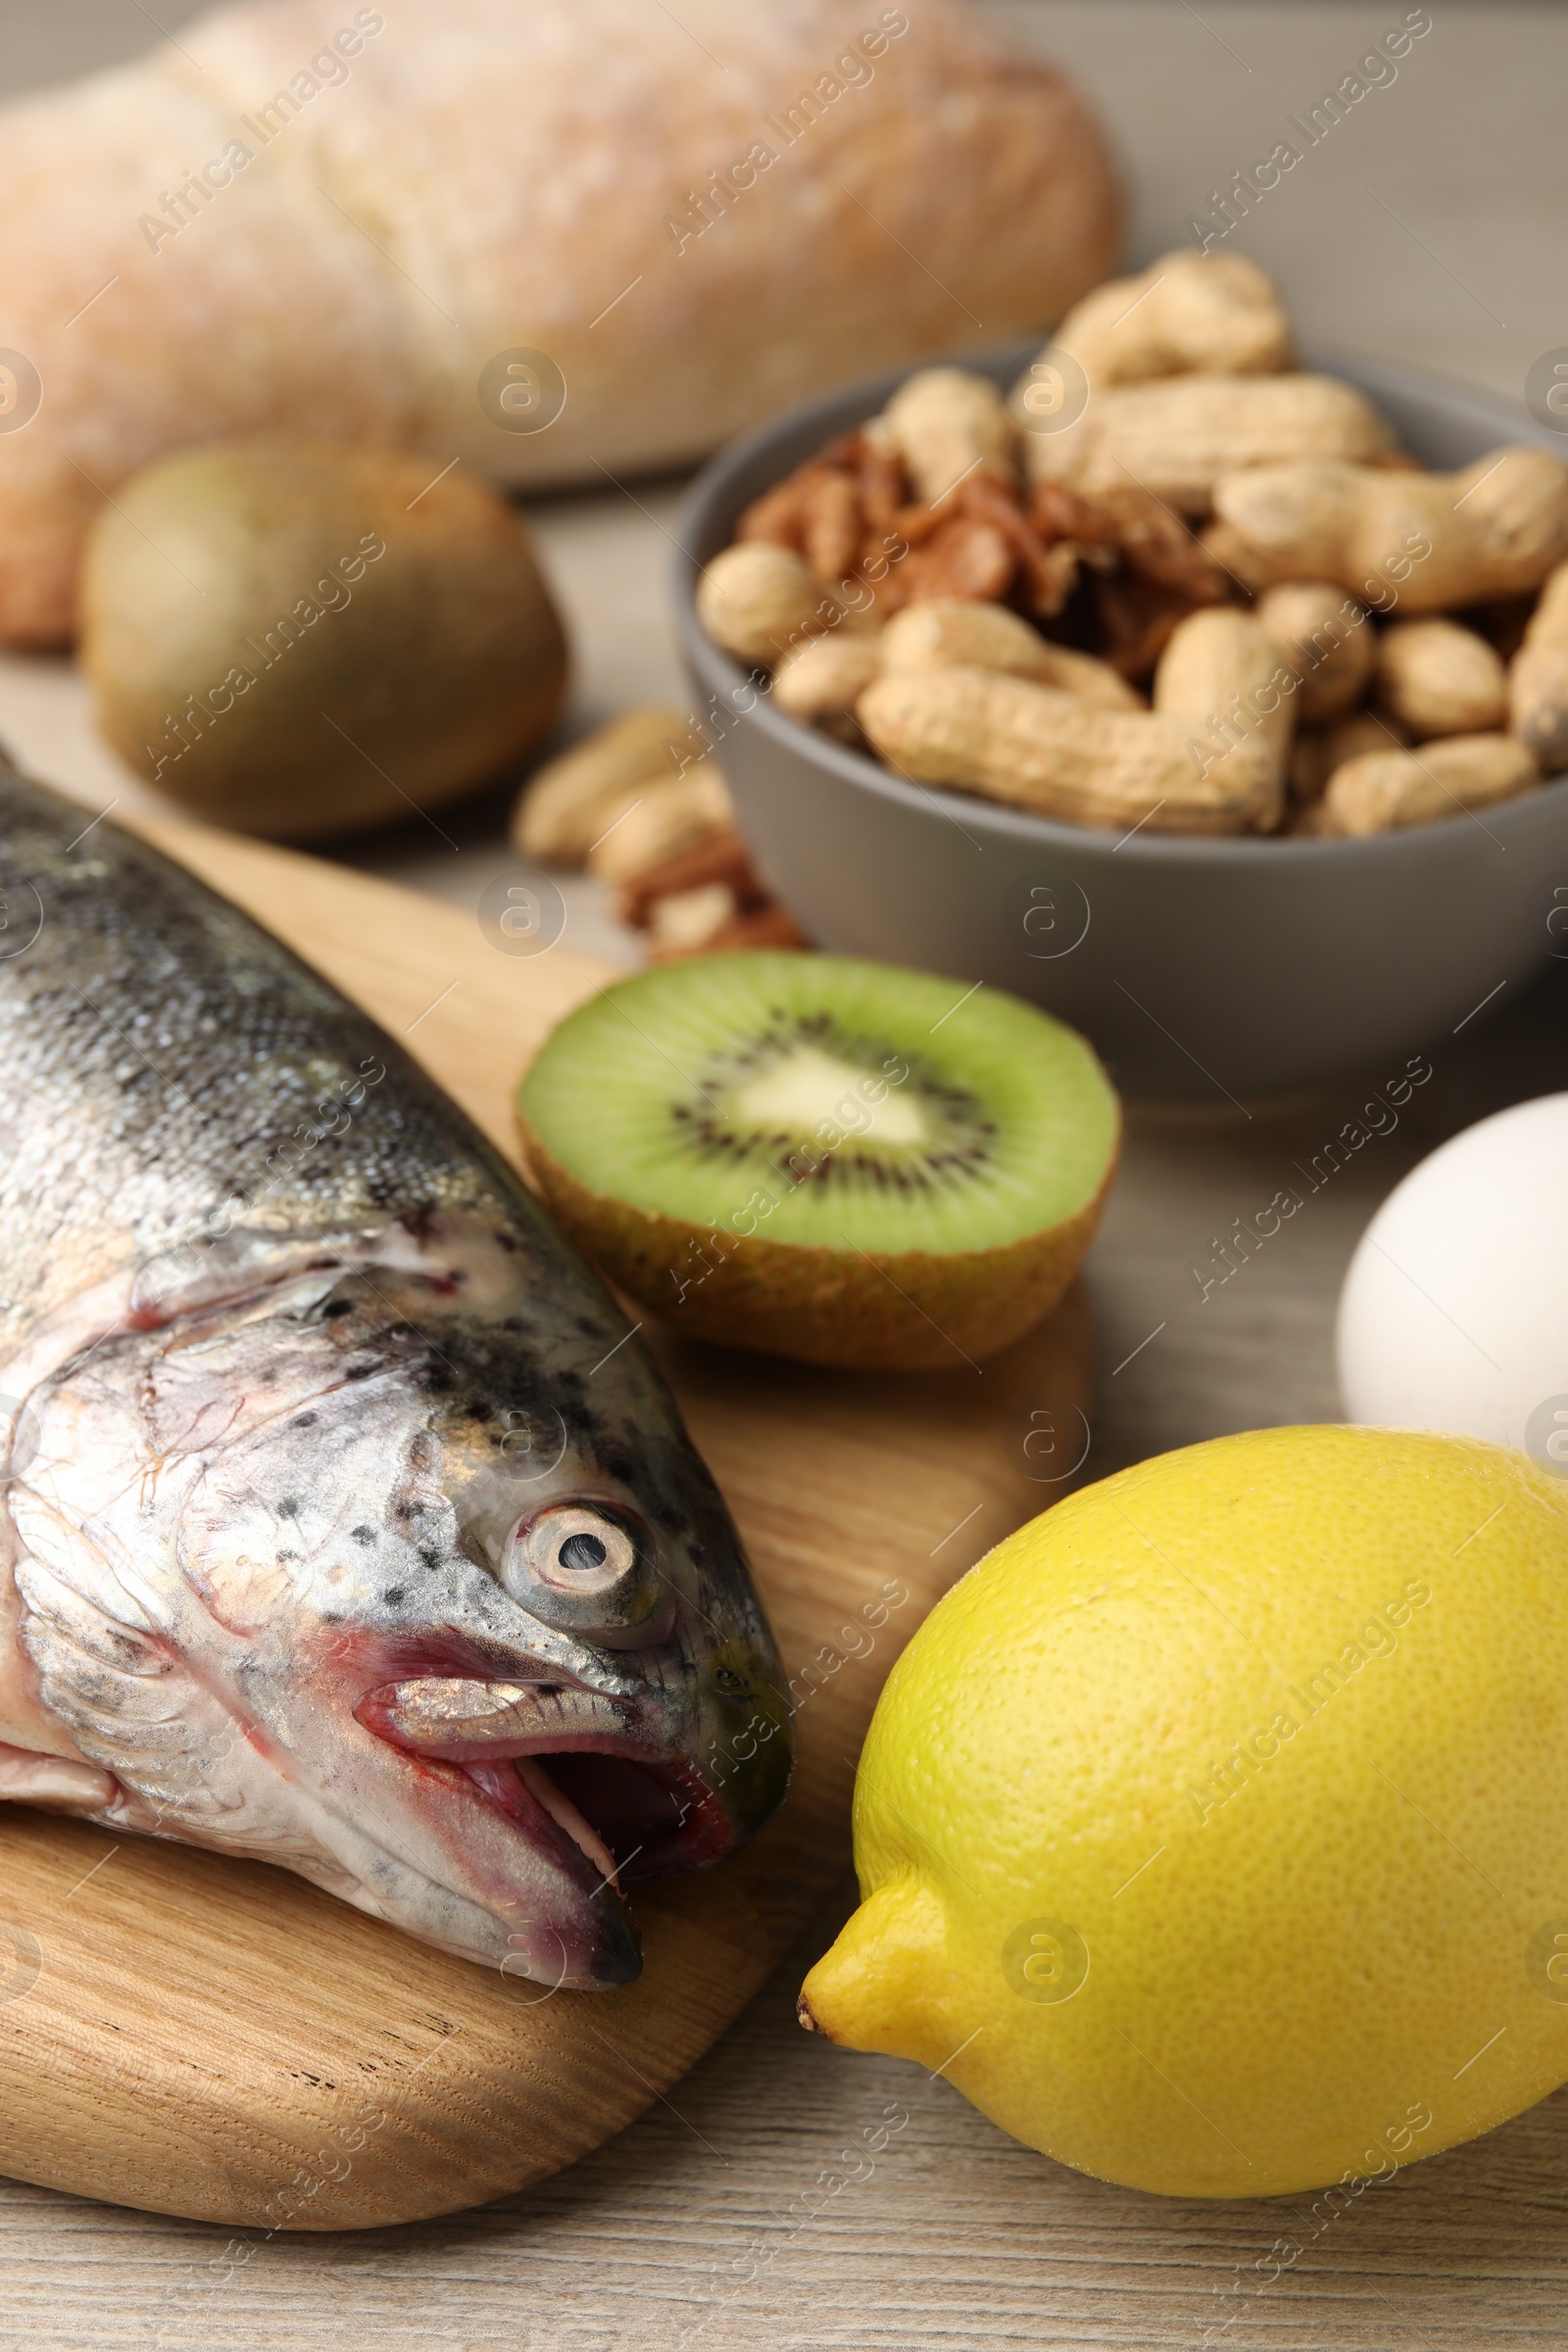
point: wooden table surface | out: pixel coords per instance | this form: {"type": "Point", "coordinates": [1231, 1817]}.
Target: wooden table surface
{"type": "Point", "coordinates": [1429, 228]}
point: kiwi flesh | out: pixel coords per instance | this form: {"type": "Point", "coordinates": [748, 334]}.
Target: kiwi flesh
{"type": "Point", "coordinates": [822, 1157]}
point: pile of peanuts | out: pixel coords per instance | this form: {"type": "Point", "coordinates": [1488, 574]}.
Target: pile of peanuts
{"type": "Point", "coordinates": [640, 804]}
{"type": "Point", "coordinates": [1172, 582]}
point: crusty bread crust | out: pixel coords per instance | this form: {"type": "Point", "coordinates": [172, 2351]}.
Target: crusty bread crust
{"type": "Point", "coordinates": [484, 177]}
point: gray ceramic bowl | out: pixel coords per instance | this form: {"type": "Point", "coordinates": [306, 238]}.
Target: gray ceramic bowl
{"type": "Point", "coordinates": [1200, 968]}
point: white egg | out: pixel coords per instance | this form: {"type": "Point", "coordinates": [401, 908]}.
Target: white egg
{"type": "Point", "coordinates": [1454, 1312]}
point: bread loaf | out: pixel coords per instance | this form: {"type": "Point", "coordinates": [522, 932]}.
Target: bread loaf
{"type": "Point", "coordinates": [556, 240]}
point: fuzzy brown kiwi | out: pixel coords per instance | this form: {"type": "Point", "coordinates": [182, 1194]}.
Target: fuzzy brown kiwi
{"type": "Point", "coordinates": [298, 638]}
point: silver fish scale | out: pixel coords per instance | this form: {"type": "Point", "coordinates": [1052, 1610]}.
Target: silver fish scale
{"type": "Point", "coordinates": [161, 1057]}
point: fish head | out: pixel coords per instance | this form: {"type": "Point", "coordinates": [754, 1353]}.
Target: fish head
{"type": "Point", "coordinates": [470, 1598]}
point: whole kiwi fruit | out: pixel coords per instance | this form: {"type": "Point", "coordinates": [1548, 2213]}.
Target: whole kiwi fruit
{"type": "Point", "coordinates": [300, 638]}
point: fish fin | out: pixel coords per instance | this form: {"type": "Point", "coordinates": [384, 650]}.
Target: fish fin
{"type": "Point", "coordinates": [74, 1558]}
{"type": "Point", "coordinates": [128, 1703]}
{"type": "Point", "coordinates": [57, 1783]}
{"type": "Point", "coordinates": [181, 1763]}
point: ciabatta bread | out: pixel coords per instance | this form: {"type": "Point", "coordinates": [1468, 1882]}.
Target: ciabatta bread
{"type": "Point", "coordinates": [350, 221]}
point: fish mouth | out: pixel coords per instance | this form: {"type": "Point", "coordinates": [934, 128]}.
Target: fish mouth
{"type": "Point", "coordinates": [583, 1779]}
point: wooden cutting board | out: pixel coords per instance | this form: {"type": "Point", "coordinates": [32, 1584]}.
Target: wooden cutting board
{"type": "Point", "coordinates": [218, 2038]}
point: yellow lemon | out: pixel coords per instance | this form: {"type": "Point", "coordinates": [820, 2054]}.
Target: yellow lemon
{"type": "Point", "coordinates": [1212, 1833]}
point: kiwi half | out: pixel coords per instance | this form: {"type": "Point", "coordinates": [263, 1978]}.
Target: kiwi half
{"type": "Point", "coordinates": [825, 1158]}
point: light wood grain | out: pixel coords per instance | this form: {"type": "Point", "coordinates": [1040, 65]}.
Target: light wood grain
{"type": "Point", "coordinates": [220, 2039]}
{"type": "Point", "coordinates": [962, 2241]}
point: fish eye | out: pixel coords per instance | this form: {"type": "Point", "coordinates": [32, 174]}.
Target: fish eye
{"type": "Point", "coordinates": [571, 1548]}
